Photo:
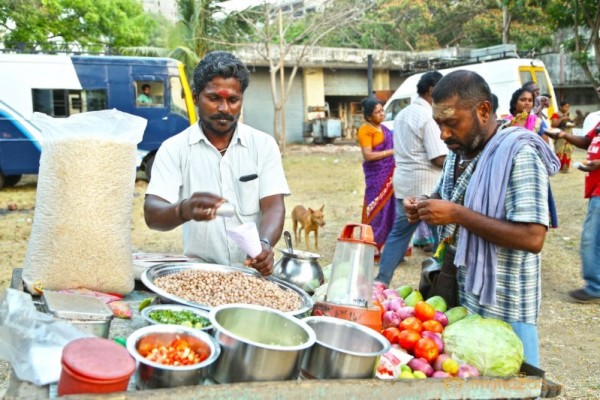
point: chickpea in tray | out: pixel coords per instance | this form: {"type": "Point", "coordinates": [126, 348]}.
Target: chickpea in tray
{"type": "Point", "coordinates": [216, 288]}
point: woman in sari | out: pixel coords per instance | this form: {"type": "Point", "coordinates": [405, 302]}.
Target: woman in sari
{"type": "Point", "coordinates": [562, 120]}
{"type": "Point", "coordinates": [521, 105]}
{"type": "Point", "coordinates": [376, 144]}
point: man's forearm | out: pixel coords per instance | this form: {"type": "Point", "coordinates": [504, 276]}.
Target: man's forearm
{"type": "Point", "coordinates": [511, 235]}
{"type": "Point", "coordinates": [161, 215]}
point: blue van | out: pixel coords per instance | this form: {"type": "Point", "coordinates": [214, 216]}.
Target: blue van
{"type": "Point", "coordinates": [60, 85]}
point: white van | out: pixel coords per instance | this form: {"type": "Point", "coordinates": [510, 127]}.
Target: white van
{"type": "Point", "coordinates": [503, 77]}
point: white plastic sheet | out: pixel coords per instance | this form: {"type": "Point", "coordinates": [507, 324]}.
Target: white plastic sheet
{"type": "Point", "coordinates": [32, 341]}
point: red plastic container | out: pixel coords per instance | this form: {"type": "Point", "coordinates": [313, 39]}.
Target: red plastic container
{"type": "Point", "coordinates": [94, 365]}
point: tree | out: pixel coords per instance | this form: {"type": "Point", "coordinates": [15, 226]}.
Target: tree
{"type": "Point", "coordinates": [202, 27]}
{"type": "Point", "coordinates": [582, 18]}
{"type": "Point", "coordinates": [92, 25]}
{"type": "Point", "coordinates": [283, 41]}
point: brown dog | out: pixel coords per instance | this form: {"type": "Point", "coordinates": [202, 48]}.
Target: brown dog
{"type": "Point", "coordinates": [310, 220]}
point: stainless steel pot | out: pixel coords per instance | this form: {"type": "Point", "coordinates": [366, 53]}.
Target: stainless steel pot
{"type": "Point", "coordinates": [152, 375]}
{"type": "Point", "coordinates": [258, 344]}
{"type": "Point", "coordinates": [300, 268]}
{"type": "Point", "coordinates": [343, 350]}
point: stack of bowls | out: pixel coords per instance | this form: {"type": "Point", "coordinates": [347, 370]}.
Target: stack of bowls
{"type": "Point", "coordinates": [153, 375]}
{"type": "Point", "coordinates": [258, 344]}
{"type": "Point", "coordinates": [343, 350]}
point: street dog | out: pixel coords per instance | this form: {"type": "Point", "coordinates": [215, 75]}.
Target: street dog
{"type": "Point", "coordinates": [310, 220]}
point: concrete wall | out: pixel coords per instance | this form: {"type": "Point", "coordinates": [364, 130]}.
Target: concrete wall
{"type": "Point", "coordinates": [570, 82]}
{"type": "Point", "coordinates": [258, 105]}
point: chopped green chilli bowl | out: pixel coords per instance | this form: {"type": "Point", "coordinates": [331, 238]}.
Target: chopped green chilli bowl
{"type": "Point", "coordinates": [175, 314]}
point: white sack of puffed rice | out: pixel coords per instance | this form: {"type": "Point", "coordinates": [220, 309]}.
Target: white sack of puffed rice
{"type": "Point", "coordinates": [81, 232]}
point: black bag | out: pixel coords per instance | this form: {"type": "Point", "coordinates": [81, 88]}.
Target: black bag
{"type": "Point", "coordinates": [440, 279]}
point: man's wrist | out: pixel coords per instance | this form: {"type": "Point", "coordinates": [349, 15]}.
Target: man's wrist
{"type": "Point", "coordinates": [179, 211]}
{"type": "Point", "coordinates": [266, 241]}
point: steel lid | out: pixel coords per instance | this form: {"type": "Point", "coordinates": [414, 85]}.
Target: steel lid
{"type": "Point", "coordinates": [76, 306]}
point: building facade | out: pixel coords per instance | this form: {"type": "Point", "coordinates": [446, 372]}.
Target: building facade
{"type": "Point", "coordinates": [330, 83]}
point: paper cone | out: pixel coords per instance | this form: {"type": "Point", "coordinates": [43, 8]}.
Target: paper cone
{"type": "Point", "coordinates": [246, 236]}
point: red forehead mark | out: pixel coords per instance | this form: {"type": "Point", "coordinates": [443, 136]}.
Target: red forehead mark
{"type": "Point", "coordinates": [223, 92]}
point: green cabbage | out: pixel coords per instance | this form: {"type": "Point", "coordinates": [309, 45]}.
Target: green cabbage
{"type": "Point", "coordinates": [488, 344]}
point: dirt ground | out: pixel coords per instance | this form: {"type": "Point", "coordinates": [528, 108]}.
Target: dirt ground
{"type": "Point", "coordinates": [332, 176]}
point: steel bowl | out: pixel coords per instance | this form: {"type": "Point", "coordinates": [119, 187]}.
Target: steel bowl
{"type": "Point", "coordinates": [146, 311]}
{"type": "Point", "coordinates": [343, 350]}
{"type": "Point", "coordinates": [152, 375]}
{"type": "Point", "coordinates": [156, 271]}
{"type": "Point", "coordinates": [258, 343]}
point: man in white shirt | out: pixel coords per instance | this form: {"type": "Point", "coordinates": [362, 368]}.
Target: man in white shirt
{"type": "Point", "coordinates": [419, 153]}
{"type": "Point", "coordinates": [215, 161]}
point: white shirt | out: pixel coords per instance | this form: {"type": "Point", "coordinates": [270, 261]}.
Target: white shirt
{"type": "Point", "coordinates": [188, 163]}
{"type": "Point", "coordinates": [416, 142]}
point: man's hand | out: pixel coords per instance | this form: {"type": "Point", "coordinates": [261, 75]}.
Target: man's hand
{"type": "Point", "coordinates": [410, 208]}
{"type": "Point", "coordinates": [437, 212]}
{"type": "Point", "coordinates": [200, 206]}
{"type": "Point", "coordinates": [263, 262]}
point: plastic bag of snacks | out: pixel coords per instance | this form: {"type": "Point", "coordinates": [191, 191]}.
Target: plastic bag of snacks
{"type": "Point", "coordinates": [81, 233]}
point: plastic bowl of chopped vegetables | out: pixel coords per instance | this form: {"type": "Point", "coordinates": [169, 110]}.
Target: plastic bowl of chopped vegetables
{"type": "Point", "coordinates": [173, 314]}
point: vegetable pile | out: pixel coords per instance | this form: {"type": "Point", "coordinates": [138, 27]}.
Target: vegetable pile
{"type": "Point", "coordinates": [177, 353]}
{"type": "Point", "coordinates": [183, 317]}
{"type": "Point", "coordinates": [428, 340]}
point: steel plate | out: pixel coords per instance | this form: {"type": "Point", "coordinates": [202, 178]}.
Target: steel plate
{"type": "Point", "coordinates": [156, 271]}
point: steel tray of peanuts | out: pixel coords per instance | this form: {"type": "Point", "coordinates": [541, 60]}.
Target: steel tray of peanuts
{"type": "Point", "coordinates": [209, 285]}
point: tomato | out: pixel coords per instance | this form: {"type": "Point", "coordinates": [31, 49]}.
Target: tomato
{"type": "Point", "coordinates": [424, 311]}
{"type": "Point", "coordinates": [433, 326]}
{"type": "Point", "coordinates": [427, 349]}
{"type": "Point", "coordinates": [407, 339]}
{"type": "Point", "coordinates": [391, 334]}
{"type": "Point", "coordinates": [377, 304]}
{"type": "Point", "coordinates": [411, 323]}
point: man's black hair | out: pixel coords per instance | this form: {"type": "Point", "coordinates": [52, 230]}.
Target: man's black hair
{"type": "Point", "coordinates": [222, 64]}
{"type": "Point", "coordinates": [428, 80]}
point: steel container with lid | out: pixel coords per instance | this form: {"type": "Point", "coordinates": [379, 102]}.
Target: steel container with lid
{"type": "Point", "coordinates": [94, 365]}
{"type": "Point", "coordinates": [86, 313]}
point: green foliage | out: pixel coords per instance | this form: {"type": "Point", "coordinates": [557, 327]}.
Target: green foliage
{"type": "Point", "coordinates": [89, 23]}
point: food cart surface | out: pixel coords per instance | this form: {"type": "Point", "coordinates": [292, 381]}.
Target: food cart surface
{"type": "Point", "coordinates": [531, 384]}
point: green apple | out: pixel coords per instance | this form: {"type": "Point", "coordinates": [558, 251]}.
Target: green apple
{"type": "Point", "coordinates": [419, 375]}
{"type": "Point", "coordinates": [438, 303]}
{"type": "Point", "coordinates": [456, 314]}
{"type": "Point", "coordinates": [404, 291]}
{"type": "Point", "coordinates": [413, 298]}
{"type": "Point", "coordinates": [406, 375]}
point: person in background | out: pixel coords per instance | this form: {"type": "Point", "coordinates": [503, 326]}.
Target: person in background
{"type": "Point", "coordinates": [495, 104]}
{"type": "Point", "coordinates": [419, 154]}
{"type": "Point", "coordinates": [423, 237]}
{"type": "Point", "coordinates": [563, 121]}
{"type": "Point", "coordinates": [145, 99]}
{"type": "Point", "coordinates": [215, 161]}
{"type": "Point", "coordinates": [535, 90]}
{"type": "Point", "coordinates": [590, 231]}
{"type": "Point", "coordinates": [491, 203]}
{"type": "Point", "coordinates": [521, 104]}
{"type": "Point", "coordinates": [376, 144]}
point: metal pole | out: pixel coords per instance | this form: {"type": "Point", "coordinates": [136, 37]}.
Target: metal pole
{"type": "Point", "coordinates": [370, 75]}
